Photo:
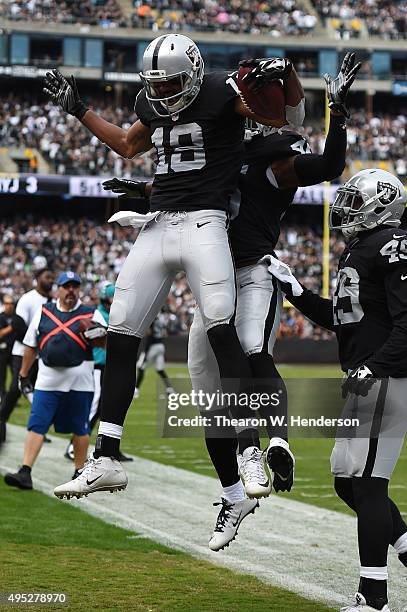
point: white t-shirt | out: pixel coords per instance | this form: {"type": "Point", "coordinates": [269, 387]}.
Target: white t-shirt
{"type": "Point", "coordinates": [78, 378]}
{"type": "Point", "coordinates": [26, 307]}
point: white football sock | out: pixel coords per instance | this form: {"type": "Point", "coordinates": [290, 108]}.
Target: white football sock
{"type": "Point", "coordinates": [110, 429]}
{"type": "Point", "coordinates": [374, 573]}
{"type": "Point", "coordinates": [235, 492]}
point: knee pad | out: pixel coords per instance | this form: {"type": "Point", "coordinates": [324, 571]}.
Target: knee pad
{"type": "Point", "coordinates": [218, 307]}
{"type": "Point", "coordinates": [118, 310]}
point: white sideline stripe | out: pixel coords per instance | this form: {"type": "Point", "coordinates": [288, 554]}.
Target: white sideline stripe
{"type": "Point", "coordinates": [315, 551]}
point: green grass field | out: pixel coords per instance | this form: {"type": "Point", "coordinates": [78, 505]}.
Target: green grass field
{"type": "Point", "coordinates": [46, 545]}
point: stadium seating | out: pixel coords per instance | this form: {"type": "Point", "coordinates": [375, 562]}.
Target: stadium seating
{"type": "Point", "coordinates": [98, 251]}
{"type": "Point", "coordinates": [104, 13]}
{"type": "Point", "coordinates": [68, 148]}
{"type": "Point", "coordinates": [380, 17]}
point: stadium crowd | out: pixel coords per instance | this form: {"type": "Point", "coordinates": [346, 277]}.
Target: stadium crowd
{"type": "Point", "coordinates": [382, 18]}
{"type": "Point", "coordinates": [70, 149]}
{"type": "Point", "coordinates": [104, 13]}
{"type": "Point", "coordinates": [97, 251]}
{"type": "Point", "coordinates": [272, 17]}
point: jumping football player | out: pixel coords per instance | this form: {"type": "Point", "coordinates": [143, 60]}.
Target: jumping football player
{"type": "Point", "coordinates": [275, 165]}
{"type": "Point", "coordinates": [196, 124]}
{"type": "Point", "coordinates": [368, 313]}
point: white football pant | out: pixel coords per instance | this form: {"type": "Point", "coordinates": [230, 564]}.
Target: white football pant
{"type": "Point", "coordinates": [258, 312]}
{"type": "Point", "coordinates": [195, 242]}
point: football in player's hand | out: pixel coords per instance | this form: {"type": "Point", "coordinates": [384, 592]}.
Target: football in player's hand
{"type": "Point", "coordinates": [269, 102]}
{"type": "Point", "coordinates": [92, 333]}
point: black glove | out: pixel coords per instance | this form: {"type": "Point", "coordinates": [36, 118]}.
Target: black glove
{"type": "Point", "coordinates": [25, 385]}
{"type": "Point", "coordinates": [359, 381]}
{"type": "Point", "coordinates": [127, 187]}
{"type": "Point", "coordinates": [265, 70]}
{"type": "Point", "coordinates": [131, 191]}
{"type": "Point", "coordinates": [64, 92]}
{"type": "Point", "coordinates": [337, 89]}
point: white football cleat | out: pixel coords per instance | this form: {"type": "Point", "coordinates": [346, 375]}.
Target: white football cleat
{"type": "Point", "coordinates": [136, 393]}
{"type": "Point", "coordinates": [102, 474]}
{"type": "Point", "coordinates": [228, 521]}
{"type": "Point", "coordinates": [257, 482]}
{"type": "Point", "coordinates": [360, 605]}
{"type": "Point", "coordinates": [281, 463]}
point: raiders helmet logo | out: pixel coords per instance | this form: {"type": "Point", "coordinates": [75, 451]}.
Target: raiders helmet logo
{"type": "Point", "coordinates": [390, 192]}
{"type": "Point", "coordinates": [192, 55]}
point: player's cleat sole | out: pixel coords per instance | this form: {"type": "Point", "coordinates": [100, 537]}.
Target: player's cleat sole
{"type": "Point", "coordinates": [228, 521]}
{"type": "Point", "coordinates": [20, 480]}
{"type": "Point", "coordinates": [282, 463]}
{"type": "Point", "coordinates": [101, 474]}
{"type": "Point", "coordinates": [257, 482]}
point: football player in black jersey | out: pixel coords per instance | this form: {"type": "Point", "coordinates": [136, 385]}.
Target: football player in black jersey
{"type": "Point", "coordinates": [275, 164]}
{"type": "Point", "coordinates": [196, 123]}
{"type": "Point", "coordinates": [153, 354]}
{"type": "Point", "coordinates": [368, 313]}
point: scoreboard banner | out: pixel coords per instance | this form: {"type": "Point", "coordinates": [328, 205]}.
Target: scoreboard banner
{"type": "Point", "coordinates": [91, 187]}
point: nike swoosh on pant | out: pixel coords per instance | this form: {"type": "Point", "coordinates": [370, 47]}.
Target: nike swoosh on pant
{"type": "Point", "coordinates": [202, 224]}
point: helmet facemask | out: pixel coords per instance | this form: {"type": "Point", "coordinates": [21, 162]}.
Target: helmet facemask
{"type": "Point", "coordinates": [355, 210]}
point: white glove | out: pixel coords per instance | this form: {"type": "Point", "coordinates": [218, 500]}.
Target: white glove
{"type": "Point", "coordinates": [282, 272]}
{"type": "Point", "coordinates": [129, 217]}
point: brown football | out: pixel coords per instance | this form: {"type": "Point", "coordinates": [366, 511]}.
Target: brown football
{"type": "Point", "coordinates": [87, 324]}
{"type": "Point", "coordinates": [269, 102]}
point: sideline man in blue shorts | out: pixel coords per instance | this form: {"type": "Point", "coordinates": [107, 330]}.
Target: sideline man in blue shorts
{"type": "Point", "coordinates": [64, 388]}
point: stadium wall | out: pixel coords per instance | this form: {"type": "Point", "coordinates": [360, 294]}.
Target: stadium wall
{"type": "Point", "coordinates": [286, 351]}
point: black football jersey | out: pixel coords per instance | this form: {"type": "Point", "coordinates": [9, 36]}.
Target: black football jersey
{"type": "Point", "coordinates": [369, 308]}
{"type": "Point", "coordinates": [255, 231]}
{"type": "Point", "coordinates": [200, 152]}
{"type": "Point", "coordinates": [156, 334]}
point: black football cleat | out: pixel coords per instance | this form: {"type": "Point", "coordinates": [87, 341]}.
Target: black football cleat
{"type": "Point", "coordinates": [21, 479]}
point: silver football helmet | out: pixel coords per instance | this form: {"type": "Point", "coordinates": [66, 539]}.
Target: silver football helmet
{"type": "Point", "coordinates": [172, 74]}
{"type": "Point", "coordinates": [370, 198]}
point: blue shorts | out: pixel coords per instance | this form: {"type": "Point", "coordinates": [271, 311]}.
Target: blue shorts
{"type": "Point", "coordinates": [67, 410]}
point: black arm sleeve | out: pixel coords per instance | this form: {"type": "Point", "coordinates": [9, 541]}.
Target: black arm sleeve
{"type": "Point", "coordinates": [391, 358]}
{"type": "Point", "coordinates": [313, 169]}
{"type": "Point", "coordinates": [316, 308]}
